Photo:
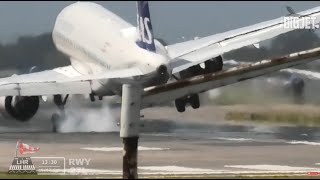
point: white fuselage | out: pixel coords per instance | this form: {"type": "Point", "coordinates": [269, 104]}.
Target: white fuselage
{"type": "Point", "coordinates": [96, 41]}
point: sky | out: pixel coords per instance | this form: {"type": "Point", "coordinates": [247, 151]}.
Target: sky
{"type": "Point", "coordinates": [173, 21]}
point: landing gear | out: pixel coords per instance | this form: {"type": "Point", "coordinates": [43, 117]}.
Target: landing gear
{"type": "Point", "coordinates": [60, 115]}
{"type": "Point", "coordinates": [211, 66]}
{"type": "Point", "coordinates": [180, 105]}
{"type": "Point", "coordinates": [92, 99]}
{"type": "Point", "coordinates": [55, 118]}
{"type": "Point", "coordinates": [193, 100]}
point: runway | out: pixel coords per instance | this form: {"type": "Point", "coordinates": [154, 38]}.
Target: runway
{"type": "Point", "coordinates": [177, 148]}
{"type": "Point", "coordinates": [170, 153]}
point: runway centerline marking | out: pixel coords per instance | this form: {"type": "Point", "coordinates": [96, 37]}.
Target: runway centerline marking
{"type": "Point", "coordinates": [234, 139]}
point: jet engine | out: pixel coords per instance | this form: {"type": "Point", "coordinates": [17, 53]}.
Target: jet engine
{"type": "Point", "coordinates": [21, 108]}
{"type": "Point", "coordinates": [210, 66]}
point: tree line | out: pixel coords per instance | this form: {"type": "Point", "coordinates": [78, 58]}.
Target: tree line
{"type": "Point", "coordinates": [29, 51]}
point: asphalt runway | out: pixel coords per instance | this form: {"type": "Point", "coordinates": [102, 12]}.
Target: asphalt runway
{"type": "Point", "coordinates": [177, 146]}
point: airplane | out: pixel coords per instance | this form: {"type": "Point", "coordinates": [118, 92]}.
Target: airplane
{"type": "Point", "coordinates": [289, 81]}
{"type": "Point", "coordinates": [107, 52]}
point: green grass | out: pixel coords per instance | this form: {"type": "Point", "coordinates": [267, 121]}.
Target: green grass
{"type": "Point", "coordinates": [289, 117]}
{"type": "Point", "coordinates": [244, 93]}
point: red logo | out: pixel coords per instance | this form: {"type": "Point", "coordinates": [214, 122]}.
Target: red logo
{"type": "Point", "coordinates": [25, 148]}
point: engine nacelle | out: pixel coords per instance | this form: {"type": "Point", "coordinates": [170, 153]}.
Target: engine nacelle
{"type": "Point", "coordinates": [210, 66]}
{"type": "Point", "coordinates": [213, 65]}
{"type": "Point", "coordinates": [21, 108]}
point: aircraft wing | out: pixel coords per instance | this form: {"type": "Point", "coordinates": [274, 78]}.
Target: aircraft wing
{"type": "Point", "coordinates": [63, 80]}
{"type": "Point", "coordinates": [198, 84]}
{"type": "Point", "coordinates": [305, 73]}
{"type": "Point", "coordinates": [189, 53]}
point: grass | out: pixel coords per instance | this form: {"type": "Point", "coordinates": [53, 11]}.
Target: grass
{"type": "Point", "coordinates": [246, 93]}
{"type": "Point", "coordinates": [296, 117]}
{"type": "Point", "coordinates": [264, 104]}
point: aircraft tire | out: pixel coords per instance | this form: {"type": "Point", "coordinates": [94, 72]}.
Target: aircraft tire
{"type": "Point", "coordinates": [180, 105]}
{"type": "Point", "coordinates": [194, 101]}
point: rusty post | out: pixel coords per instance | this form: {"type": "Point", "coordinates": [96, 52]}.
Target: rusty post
{"type": "Point", "coordinates": [130, 157]}
{"type": "Point", "coordinates": [129, 131]}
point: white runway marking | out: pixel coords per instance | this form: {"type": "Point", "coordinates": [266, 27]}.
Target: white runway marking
{"type": "Point", "coordinates": [174, 169]}
{"type": "Point", "coordinates": [80, 171]}
{"type": "Point", "coordinates": [158, 135]}
{"type": "Point", "coordinates": [234, 139]}
{"type": "Point", "coordinates": [305, 142]}
{"type": "Point", "coordinates": [114, 149]}
{"type": "Point", "coordinates": [273, 167]}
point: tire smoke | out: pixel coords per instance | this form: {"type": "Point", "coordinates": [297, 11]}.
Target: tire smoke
{"type": "Point", "coordinates": [81, 117]}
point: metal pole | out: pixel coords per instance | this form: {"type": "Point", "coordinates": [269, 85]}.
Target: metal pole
{"type": "Point", "coordinates": [129, 131]}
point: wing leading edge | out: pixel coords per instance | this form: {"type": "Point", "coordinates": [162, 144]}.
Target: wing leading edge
{"type": "Point", "coordinates": [189, 53]}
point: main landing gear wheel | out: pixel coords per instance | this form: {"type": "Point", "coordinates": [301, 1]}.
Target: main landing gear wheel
{"type": "Point", "coordinates": [180, 105]}
{"type": "Point", "coordinates": [61, 114]}
{"type": "Point", "coordinates": [194, 101]}
{"type": "Point", "coordinates": [182, 102]}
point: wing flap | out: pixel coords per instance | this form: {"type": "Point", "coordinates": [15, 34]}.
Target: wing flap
{"type": "Point", "coordinates": [202, 83]}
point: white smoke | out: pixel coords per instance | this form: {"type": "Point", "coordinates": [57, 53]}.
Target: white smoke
{"type": "Point", "coordinates": [81, 117]}
{"type": "Point", "coordinates": [214, 93]}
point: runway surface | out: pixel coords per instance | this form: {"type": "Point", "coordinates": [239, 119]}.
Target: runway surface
{"type": "Point", "coordinates": [176, 147]}
{"type": "Point", "coordinates": [172, 153]}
